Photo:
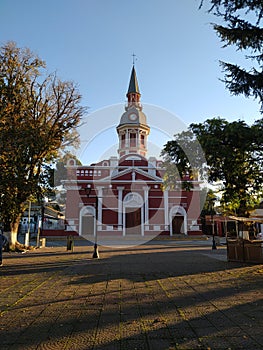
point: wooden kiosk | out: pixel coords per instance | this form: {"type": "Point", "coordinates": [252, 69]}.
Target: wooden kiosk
{"type": "Point", "coordinates": [247, 246]}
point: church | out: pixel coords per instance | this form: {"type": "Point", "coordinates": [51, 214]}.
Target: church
{"type": "Point", "coordinates": [123, 197]}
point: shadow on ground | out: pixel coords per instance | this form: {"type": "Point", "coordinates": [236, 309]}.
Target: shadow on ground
{"type": "Point", "coordinates": [148, 298]}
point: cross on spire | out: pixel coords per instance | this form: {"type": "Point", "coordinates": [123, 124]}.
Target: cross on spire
{"type": "Point", "coordinates": [133, 58]}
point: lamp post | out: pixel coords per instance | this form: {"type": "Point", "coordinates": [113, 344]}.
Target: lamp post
{"type": "Point", "coordinates": [95, 254]}
{"type": "Point", "coordinates": [88, 192]}
{"type": "Point", "coordinates": [27, 235]}
{"type": "Point", "coordinates": [212, 204]}
{"type": "Point", "coordinates": [44, 201]}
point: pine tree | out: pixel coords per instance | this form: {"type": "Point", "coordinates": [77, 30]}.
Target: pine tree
{"type": "Point", "coordinates": [242, 29]}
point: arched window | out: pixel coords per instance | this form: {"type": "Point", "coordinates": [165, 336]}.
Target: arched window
{"type": "Point", "coordinates": [122, 140]}
{"type": "Point", "coordinates": [132, 140]}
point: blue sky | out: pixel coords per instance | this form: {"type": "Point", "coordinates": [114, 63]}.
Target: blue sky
{"type": "Point", "coordinates": [92, 41]}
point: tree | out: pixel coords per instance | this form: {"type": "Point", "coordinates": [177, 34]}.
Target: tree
{"type": "Point", "coordinates": [208, 209]}
{"type": "Point", "coordinates": [233, 153]}
{"type": "Point", "coordinates": [242, 29]}
{"type": "Point", "coordinates": [60, 173]}
{"type": "Point", "coordinates": [39, 114]}
{"type": "Point", "coordinates": [184, 160]}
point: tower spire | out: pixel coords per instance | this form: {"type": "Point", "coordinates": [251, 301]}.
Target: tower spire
{"type": "Point", "coordinates": [133, 93]}
{"type": "Point", "coordinates": [133, 86]}
{"type": "Point", "coordinates": [133, 129]}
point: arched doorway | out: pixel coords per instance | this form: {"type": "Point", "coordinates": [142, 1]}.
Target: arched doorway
{"type": "Point", "coordinates": [87, 221]}
{"type": "Point", "coordinates": [178, 220]}
{"type": "Point", "coordinates": [133, 218]}
{"type": "Point", "coordinates": [177, 224]}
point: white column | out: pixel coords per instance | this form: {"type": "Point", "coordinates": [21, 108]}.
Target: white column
{"type": "Point", "coordinates": [166, 208]}
{"type": "Point", "coordinates": [143, 220]}
{"type": "Point", "coordinates": [120, 189]}
{"type": "Point", "coordinates": [120, 137]}
{"type": "Point", "coordinates": [127, 139]}
{"type": "Point", "coordinates": [99, 194]}
{"type": "Point", "coordinates": [146, 205]}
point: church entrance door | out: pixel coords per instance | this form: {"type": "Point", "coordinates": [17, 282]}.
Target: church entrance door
{"type": "Point", "coordinates": [87, 221]}
{"type": "Point", "coordinates": [177, 223]}
{"type": "Point", "coordinates": [133, 221]}
{"type": "Point", "coordinates": [87, 225]}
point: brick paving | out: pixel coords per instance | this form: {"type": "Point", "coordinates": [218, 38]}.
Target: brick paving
{"type": "Point", "coordinates": [155, 296]}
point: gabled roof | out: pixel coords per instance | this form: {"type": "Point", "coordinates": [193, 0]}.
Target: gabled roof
{"type": "Point", "coordinates": [120, 176]}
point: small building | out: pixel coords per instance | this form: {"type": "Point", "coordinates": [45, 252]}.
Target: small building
{"type": "Point", "coordinates": [123, 196]}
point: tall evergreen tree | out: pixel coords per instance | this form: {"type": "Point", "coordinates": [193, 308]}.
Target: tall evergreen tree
{"type": "Point", "coordinates": [242, 29]}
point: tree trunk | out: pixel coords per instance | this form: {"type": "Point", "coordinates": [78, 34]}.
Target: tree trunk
{"type": "Point", "coordinates": [14, 230]}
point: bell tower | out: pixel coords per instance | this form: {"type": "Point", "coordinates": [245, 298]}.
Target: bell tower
{"type": "Point", "coordinates": [133, 129]}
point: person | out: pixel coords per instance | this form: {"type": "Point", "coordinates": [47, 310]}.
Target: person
{"type": "Point", "coordinates": [259, 236]}
{"type": "Point", "coordinates": [3, 242]}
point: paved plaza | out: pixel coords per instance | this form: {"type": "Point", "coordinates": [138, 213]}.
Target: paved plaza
{"type": "Point", "coordinates": [161, 295]}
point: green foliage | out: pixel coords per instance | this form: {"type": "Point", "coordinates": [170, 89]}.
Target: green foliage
{"type": "Point", "coordinates": [242, 29]}
{"type": "Point", "coordinates": [38, 116]}
{"type": "Point", "coordinates": [233, 153]}
{"type": "Point", "coordinates": [230, 150]}
{"type": "Point", "coordinates": [209, 203]}
{"type": "Point", "coordinates": [183, 160]}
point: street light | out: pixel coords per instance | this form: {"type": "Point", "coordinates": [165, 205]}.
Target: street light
{"type": "Point", "coordinates": [44, 201]}
{"type": "Point", "coordinates": [95, 254]}
{"type": "Point", "coordinates": [27, 235]}
{"type": "Point", "coordinates": [88, 192]}
{"type": "Point", "coordinates": [212, 204]}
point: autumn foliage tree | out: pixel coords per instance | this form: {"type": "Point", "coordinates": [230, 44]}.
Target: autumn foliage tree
{"type": "Point", "coordinates": [39, 114]}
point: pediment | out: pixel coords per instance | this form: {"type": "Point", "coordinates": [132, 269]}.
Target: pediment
{"type": "Point", "coordinates": [133, 174]}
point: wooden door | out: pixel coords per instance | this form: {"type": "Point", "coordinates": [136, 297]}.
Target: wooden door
{"type": "Point", "coordinates": [87, 225]}
{"type": "Point", "coordinates": [133, 220]}
{"type": "Point", "coordinates": [177, 223]}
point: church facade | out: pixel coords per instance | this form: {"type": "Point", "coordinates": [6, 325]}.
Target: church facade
{"type": "Point", "coordinates": [123, 196]}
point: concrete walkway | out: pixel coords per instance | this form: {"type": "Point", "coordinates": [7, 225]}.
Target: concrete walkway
{"type": "Point", "coordinates": [155, 296]}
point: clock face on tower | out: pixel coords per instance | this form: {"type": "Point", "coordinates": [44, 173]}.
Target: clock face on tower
{"type": "Point", "coordinates": [132, 116]}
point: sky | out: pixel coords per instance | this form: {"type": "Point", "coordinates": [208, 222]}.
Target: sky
{"type": "Point", "coordinates": [91, 42]}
